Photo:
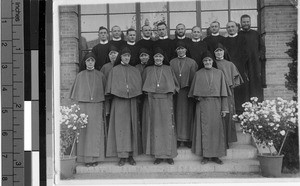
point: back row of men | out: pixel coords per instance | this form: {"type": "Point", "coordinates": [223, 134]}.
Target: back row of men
{"type": "Point", "coordinates": [245, 48]}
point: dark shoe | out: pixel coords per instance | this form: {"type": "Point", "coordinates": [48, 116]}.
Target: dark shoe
{"type": "Point", "coordinates": [170, 161]}
{"type": "Point", "coordinates": [88, 164]}
{"type": "Point", "coordinates": [178, 143]}
{"type": "Point", "coordinates": [94, 164]}
{"type": "Point", "coordinates": [131, 161]}
{"type": "Point", "coordinates": [217, 160]}
{"type": "Point", "coordinates": [188, 144]}
{"type": "Point", "coordinates": [157, 161]}
{"type": "Point", "coordinates": [204, 160]}
{"type": "Point", "coordinates": [122, 162]}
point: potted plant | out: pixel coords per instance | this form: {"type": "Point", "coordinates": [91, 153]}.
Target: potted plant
{"type": "Point", "coordinates": [269, 122]}
{"type": "Point", "coordinates": [71, 122]}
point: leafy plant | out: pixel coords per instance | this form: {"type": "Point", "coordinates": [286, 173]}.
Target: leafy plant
{"type": "Point", "coordinates": [269, 122]}
{"type": "Point", "coordinates": [292, 75]}
{"type": "Point", "coordinates": [71, 123]}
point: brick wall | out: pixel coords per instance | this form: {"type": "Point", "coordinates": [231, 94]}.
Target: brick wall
{"type": "Point", "coordinates": [278, 21]}
{"type": "Point", "coordinates": [69, 52]}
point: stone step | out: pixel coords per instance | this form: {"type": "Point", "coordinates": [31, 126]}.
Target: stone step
{"type": "Point", "coordinates": [237, 165]}
{"type": "Point", "coordinates": [243, 139]}
{"type": "Point", "coordinates": [236, 151]}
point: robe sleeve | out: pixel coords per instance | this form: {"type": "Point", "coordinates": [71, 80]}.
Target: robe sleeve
{"type": "Point", "coordinates": [72, 91]}
{"type": "Point", "coordinates": [108, 83]}
{"type": "Point", "coordinates": [193, 71]}
{"type": "Point", "coordinates": [237, 78]}
{"type": "Point", "coordinates": [175, 81]}
{"type": "Point", "coordinates": [224, 99]}
{"type": "Point", "coordinates": [192, 87]}
{"type": "Point", "coordinates": [262, 49]}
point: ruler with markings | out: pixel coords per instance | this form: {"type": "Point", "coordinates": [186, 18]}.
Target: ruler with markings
{"type": "Point", "coordinates": [12, 87]}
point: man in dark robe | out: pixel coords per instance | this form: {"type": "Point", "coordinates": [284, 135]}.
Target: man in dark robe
{"type": "Point", "coordinates": [215, 37]}
{"type": "Point", "coordinates": [164, 42]}
{"type": "Point", "coordinates": [256, 49]}
{"type": "Point", "coordinates": [160, 84]}
{"type": "Point", "coordinates": [88, 91]}
{"type": "Point", "coordinates": [180, 36]}
{"type": "Point", "coordinates": [184, 69]}
{"type": "Point", "coordinates": [117, 40]}
{"type": "Point", "coordinates": [197, 47]}
{"type": "Point", "coordinates": [146, 41]}
{"type": "Point", "coordinates": [235, 44]}
{"type": "Point", "coordinates": [101, 50]}
{"type": "Point", "coordinates": [125, 85]}
{"type": "Point", "coordinates": [210, 90]}
{"type": "Point", "coordinates": [131, 37]}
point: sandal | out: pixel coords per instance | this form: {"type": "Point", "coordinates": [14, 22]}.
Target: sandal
{"type": "Point", "coordinates": [122, 162]}
{"type": "Point", "coordinates": [157, 161]}
{"type": "Point", "coordinates": [204, 160]}
{"type": "Point", "coordinates": [131, 161]}
{"type": "Point", "coordinates": [217, 160]}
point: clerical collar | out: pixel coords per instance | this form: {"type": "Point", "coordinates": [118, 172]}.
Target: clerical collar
{"type": "Point", "coordinates": [115, 39]}
{"type": "Point", "coordinates": [125, 64]}
{"type": "Point", "coordinates": [90, 69]}
{"type": "Point", "coordinates": [215, 34]}
{"type": "Point", "coordinates": [146, 38]}
{"type": "Point", "coordinates": [103, 42]}
{"type": "Point", "coordinates": [181, 37]}
{"type": "Point", "coordinates": [220, 58]}
{"type": "Point", "coordinates": [234, 35]}
{"type": "Point", "coordinates": [196, 40]}
{"type": "Point", "coordinates": [181, 57]}
{"type": "Point", "coordinates": [130, 43]}
{"type": "Point", "coordinates": [165, 37]}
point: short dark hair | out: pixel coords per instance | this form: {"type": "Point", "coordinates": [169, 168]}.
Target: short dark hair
{"type": "Point", "coordinates": [103, 28]}
{"type": "Point", "coordinates": [161, 23]}
{"type": "Point", "coordinates": [245, 16]}
{"type": "Point", "coordinates": [196, 27]}
{"type": "Point", "coordinates": [145, 25]}
{"type": "Point", "coordinates": [129, 30]}
{"type": "Point", "coordinates": [216, 22]}
{"type": "Point", "coordinates": [180, 24]}
{"type": "Point", "coordinates": [236, 24]}
{"type": "Point", "coordinates": [114, 27]}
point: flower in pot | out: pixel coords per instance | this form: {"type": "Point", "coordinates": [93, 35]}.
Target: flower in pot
{"type": "Point", "coordinates": [71, 123]}
{"type": "Point", "coordinates": [269, 123]}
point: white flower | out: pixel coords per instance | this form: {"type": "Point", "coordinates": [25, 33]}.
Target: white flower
{"type": "Point", "coordinates": [74, 128]}
{"type": "Point", "coordinates": [271, 124]}
{"type": "Point", "coordinates": [293, 120]}
{"type": "Point", "coordinates": [282, 132]}
{"type": "Point", "coordinates": [254, 99]}
{"type": "Point", "coordinates": [259, 126]}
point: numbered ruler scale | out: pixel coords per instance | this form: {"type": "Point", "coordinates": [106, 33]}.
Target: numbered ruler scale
{"type": "Point", "coordinates": [12, 87]}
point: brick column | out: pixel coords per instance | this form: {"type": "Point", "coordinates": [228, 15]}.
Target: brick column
{"type": "Point", "coordinates": [278, 21]}
{"type": "Point", "coordinates": [69, 53]}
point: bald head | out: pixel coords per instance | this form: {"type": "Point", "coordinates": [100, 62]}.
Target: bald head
{"type": "Point", "coordinates": [232, 27]}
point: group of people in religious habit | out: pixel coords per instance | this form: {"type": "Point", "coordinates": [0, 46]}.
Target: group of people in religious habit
{"type": "Point", "coordinates": [152, 97]}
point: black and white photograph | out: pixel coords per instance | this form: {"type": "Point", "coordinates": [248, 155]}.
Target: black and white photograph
{"type": "Point", "coordinates": [172, 92]}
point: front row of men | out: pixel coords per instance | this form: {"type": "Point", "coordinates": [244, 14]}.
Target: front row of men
{"type": "Point", "coordinates": [153, 104]}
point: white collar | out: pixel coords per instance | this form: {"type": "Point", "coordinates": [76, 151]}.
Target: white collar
{"type": "Point", "coordinates": [181, 57]}
{"type": "Point", "coordinates": [131, 43]}
{"type": "Point", "coordinates": [234, 35]}
{"type": "Point", "coordinates": [114, 39]}
{"type": "Point", "coordinates": [215, 34]}
{"type": "Point", "coordinates": [103, 42]}
{"type": "Point", "coordinates": [181, 37]}
{"type": "Point", "coordinates": [196, 40]}
{"type": "Point", "coordinates": [146, 38]}
{"type": "Point", "coordinates": [220, 58]}
{"type": "Point", "coordinates": [165, 37]}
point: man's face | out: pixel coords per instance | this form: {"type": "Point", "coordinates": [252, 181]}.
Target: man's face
{"type": "Point", "coordinates": [180, 29]}
{"type": "Point", "coordinates": [103, 35]}
{"type": "Point", "coordinates": [196, 33]}
{"type": "Point", "coordinates": [131, 36]}
{"type": "Point", "coordinates": [214, 27]}
{"type": "Point", "coordinates": [146, 31]}
{"type": "Point", "coordinates": [116, 32]}
{"type": "Point", "coordinates": [162, 30]}
{"type": "Point", "coordinates": [246, 23]}
{"type": "Point", "coordinates": [231, 28]}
